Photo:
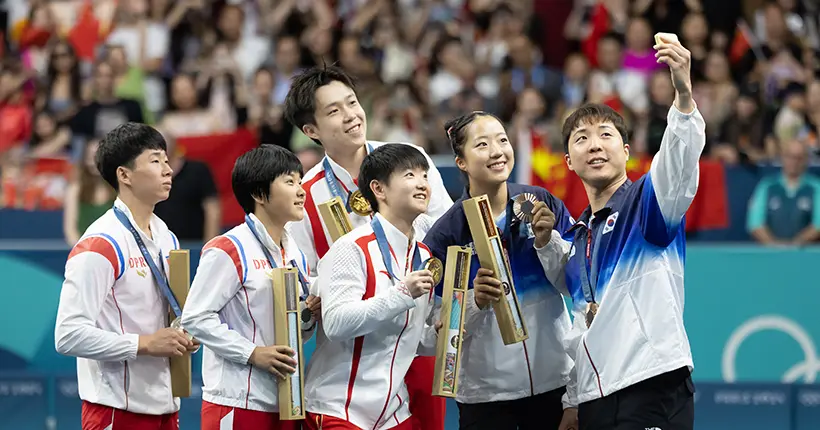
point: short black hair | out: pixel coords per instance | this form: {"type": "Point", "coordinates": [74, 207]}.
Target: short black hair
{"type": "Point", "coordinates": [593, 113]}
{"type": "Point", "coordinates": [380, 164]}
{"type": "Point", "coordinates": [300, 103]}
{"type": "Point", "coordinates": [256, 169]}
{"type": "Point", "coordinates": [456, 129]}
{"type": "Point", "coordinates": [121, 147]}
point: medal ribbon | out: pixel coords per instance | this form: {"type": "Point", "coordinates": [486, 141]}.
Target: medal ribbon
{"type": "Point", "coordinates": [159, 276]}
{"type": "Point", "coordinates": [384, 249]}
{"type": "Point", "coordinates": [335, 185]}
{"type": "Point", "coordinates": [302, 281]}
{"type": "Point", "coordinates": [586, 285]}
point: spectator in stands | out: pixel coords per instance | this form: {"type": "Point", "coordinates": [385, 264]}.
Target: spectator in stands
{"type": "Point", "coordinates": [246, 51]}
{"type": "Point", "coordinates": [638, 53]}
{"type": "Point", "coordinates": [451, 70]}
{"type": "Point", "coordinates": [129, 80]}
{"type": "Point", "coordinates": [105, 111]}
{"type": "Point", "coordinates": [15, 109]}
{"type": "Point", "coordinates": [743, 135]}
{"type": "Point", "coordinates": [612, 84]}
{"type": "Point", "coordinates": [524, 68]}
{"type": "Point", "coordinates": [695, 35]}
{"type": "Point", "coordinates": [265, 114]}
{"type": "Point", "coordinates": [785, 208]}
{"type": "Point", "coordinates": [661, 96]}
{"type": "Point", "coordinates": [49, 138]}
{"type": "Point", "coordinates": [186, 117]}
{"type": "Point", "coordinates": [288, 58]}
{"type": "Point", "coordinates": [87, 197]}
{"type": "Point", "coordinates": [62, 93]}
{"type": "Point", "coordinates": [717, 94]}
{"type": "Point", "coordinates": [39, 30]}
{"type": "Point", "coordinates": [790, 120]}
{"type": "Point", "coordinates": [193, 210]}
{"type": "Point", "coordinates": [576, 79]}
{"type": "Point", "coordinates": [146, 43]}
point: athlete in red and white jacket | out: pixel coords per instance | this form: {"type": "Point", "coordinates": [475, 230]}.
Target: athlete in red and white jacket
{"type": "Point", "coordinates": [109, 298]}
{"type": "Point", "coordinates": [230, 305]}
{"type": "Point", "coordinates": [112, 314]}
{"type": "Point", "coordinates": [377, 304]}
{"type": "Point", "coordinates": [322, 103]}
{"type": "Point", "coordinates": [311, 233]}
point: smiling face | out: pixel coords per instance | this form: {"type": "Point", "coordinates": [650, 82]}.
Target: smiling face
{"type": "Point", "coordinates": [406, 193]}
{"type": "Point", "coordinates": [597, 153]}
{"type": "Point", "coordinates": [286, 201]}
{"type": "Point", "coordinates": [340, 119]}
{"type": "Point", "coordinates": [488, 154]}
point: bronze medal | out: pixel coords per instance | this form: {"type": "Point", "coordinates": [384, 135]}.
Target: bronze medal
{"type": "Point", "coordinates": [358, 204]}
{"type": "Point", "coordinates": [592, 310]}
{"type": "Point", "coordinates": [435, 267]}
{"type": "Point", "coordinates": [523, 204]}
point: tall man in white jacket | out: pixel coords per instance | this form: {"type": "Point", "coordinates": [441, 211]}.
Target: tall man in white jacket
{"type": "Point", "coordinates": [230, 305]}
{"type": "Point", "coordinates": [322, 103]}
{"type": "Point", "coordinates": [625, 265]}
{"type": "Point", "coordinates": [377, 302]}
{"type": "Point", "coordinates": [113, 312]}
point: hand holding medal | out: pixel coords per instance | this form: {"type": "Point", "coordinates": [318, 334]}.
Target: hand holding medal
{"type": "Point", "coordinates": [311, 311]}
{"type": "Point", "coordinates": [529, 209]}
{"type": "Point", "coordinates": [436, 269]}
{"type": "Point", "coordinates": [543, 221]}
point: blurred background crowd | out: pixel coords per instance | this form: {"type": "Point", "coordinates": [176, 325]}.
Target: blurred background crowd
{"type": "Point", "coordinates": [71, 70]}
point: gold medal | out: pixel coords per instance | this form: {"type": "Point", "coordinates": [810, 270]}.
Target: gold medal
{"type": "Point", "coordinates": [435, 267]}
{"type": "Point", "coordinates": [359, 204]}
{"type": "Point", "coordinates": [523, 204]}
{"type": "Point", "coordinates": [592, 310]}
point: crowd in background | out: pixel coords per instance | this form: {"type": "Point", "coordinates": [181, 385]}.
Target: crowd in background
{"type": "Point", "coordinates": [74, 69]}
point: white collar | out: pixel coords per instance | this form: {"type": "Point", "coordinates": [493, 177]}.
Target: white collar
{"type": "Point", "coordinates": [157, 227]}
{"type": "Point", "coordinates": [267, 241]}
{"type": "Point", "coordinates": [342, 174]}
{"type": "Point", "coordinates": [399, 243]}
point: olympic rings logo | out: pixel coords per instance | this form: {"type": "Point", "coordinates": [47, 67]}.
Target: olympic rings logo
{"type": "Point", "coordinates": [807, 369]}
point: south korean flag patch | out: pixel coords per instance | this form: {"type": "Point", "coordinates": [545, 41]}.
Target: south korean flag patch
{"type": "Point", "coordinates": [609, 225]}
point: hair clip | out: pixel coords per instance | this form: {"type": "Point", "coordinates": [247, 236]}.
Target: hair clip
{"type": "Point", "coordinates": [449, 132]}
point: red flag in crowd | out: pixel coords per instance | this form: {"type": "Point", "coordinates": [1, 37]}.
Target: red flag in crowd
{"type": "Point", "coordinates": [85, 35]}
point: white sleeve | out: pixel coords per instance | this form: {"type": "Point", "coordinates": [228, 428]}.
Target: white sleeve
{"type": "Point", "coordinates": [89, 279]}
{"type": "Point", "coordinates": [345, 315]}
{"type": "Point", "coordinates": [571, 343]}
{"type": "Point", "coordinates": [473, 314]}
{"type": "Point", "coordinates": [553, 257]}
{"type": "Point", "coordinates": [673, 176]}
{"type": "Point", "coordinates": [429, 337]}
{"type": "Point", "coordinates": [302, 234]}
{"type": "Point", "coordinates": [216, 282]}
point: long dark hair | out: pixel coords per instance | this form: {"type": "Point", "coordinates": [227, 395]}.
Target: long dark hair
{"type": "Point", "coordinates": [76, 77]}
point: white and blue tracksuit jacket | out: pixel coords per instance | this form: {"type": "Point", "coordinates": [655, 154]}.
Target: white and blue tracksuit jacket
{"type": "Point", "coordinates": [492, 371]}
{"type": "Point", "coordinates": [629, 258]}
